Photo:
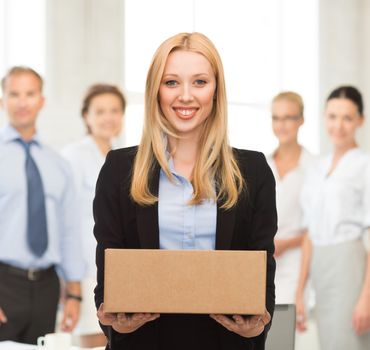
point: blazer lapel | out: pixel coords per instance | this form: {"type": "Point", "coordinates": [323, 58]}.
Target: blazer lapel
{"type": "Point", "coordinates": [224, 227]}
{"type": "Point", "coordinates": [147, 217]}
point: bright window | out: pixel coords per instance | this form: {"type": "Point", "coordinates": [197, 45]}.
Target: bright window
{"type": "Point", "coordinates": [22, 34]}
{"type": "Point", "coordinates": [266, 46]}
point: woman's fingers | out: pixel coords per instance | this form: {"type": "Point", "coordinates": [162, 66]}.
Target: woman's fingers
{"type": "Point", "coordinates": [360, 324]}
{"type": "Point", "coordinates": [3, 318]}
{"type": "Point", "coordinates": [301, 322]}
{"type": "Point", "coordinates": [153, 317]}
{"type": "Point", "coordinates": [223, 320]}
{"type": "Point", "coordinates": [258, 320]}
{"type": "Point", "coordinates": [246, 327]}
{"type": "Point", "coordinates": [122, 318]}
{"type": "Point", "coordinates": [124, 322]}
{"type": "Point", "coordinates": [300, 316]}
{"type": "Point", "coordinates": [136, 320]}
{"type": "Point", "coordinates": [105, 318]}
{"type": "Point", "coordinates": [238, 319]}
{"type": "Point", "coordinates": [266, 318]}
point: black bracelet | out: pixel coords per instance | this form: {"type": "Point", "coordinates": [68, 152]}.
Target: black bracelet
{"type": "Point", "coordinates": [74, 297]}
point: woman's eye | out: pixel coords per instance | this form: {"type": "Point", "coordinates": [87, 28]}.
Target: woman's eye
{"type": "Point", "coordinates": [99, 112]}
{"type": "Point", "coordinates": [171, 82]}
{"type": "Point", "coordinates": [200, 82]}
{"type": "Point", "coordinates": [116, 110]}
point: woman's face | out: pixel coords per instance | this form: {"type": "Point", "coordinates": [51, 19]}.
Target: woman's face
{"type": "Point", "coordinates": [104, 116]}
{"type": "Point", "coordinates": [286, 120]}
{"type": "Point", "coordinates": [342, 121]}
{"type": "Point", "coordinates": [186, 93]}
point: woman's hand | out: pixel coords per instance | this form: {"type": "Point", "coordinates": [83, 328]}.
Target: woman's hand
{"type": "Point", "coordinates": [247, 327]}
{"type": "Point", "coordinates": [361, 315]}
{"type": "Point", "coordinates": [301, 319]}
{"type": "Point", "coordinates": [281, 246]}
{"type": "Point", "coordinates": [123, 322]}
{"type": "Point", "coordinates": [3, 318]}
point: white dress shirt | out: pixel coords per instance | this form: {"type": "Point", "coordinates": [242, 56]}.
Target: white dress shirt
{"type": "Point", "coordinates": [337, 206]}
{"type": "Point", "coordinates": [184, 226]}
{"type": "Point", "coordinates": [64, 243]}
{"type": "Point", "coordinates": [290, 215]}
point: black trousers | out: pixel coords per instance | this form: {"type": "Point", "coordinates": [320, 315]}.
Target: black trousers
{"type": "Point", "coordinates": [29, 300]}
{"type": "Point", "coordinates": [183, 332]}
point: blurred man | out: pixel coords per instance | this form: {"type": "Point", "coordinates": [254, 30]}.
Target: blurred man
{"type": "Point", "coordinates": [38, 221]}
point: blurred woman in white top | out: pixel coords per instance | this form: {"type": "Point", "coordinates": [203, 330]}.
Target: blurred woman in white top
{"type": "Point", "coordinates": [102, 111]}
{"type": "Point", "coordinates": [289, 163]}
{"type": "Point", "coordinates": [336, 201]}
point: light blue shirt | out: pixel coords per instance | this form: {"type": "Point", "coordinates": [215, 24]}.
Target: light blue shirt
{"type": "Point", "coordinates": [184, 226]}
{"type": "Point", "coordinates": [64, 242]}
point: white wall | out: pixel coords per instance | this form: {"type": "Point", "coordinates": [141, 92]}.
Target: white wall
{"type": "Point", "coordinates": [344, 54]}
{"type": "Point", "coordinates": [365, 64]}
{"type": "Point", "coordinates": [81, 50]}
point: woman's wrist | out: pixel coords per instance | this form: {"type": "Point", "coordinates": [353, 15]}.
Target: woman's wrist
{"type": "Point", "coordinates": [365, 293]}
{"type": "Point", "coordinates": [299, 294]}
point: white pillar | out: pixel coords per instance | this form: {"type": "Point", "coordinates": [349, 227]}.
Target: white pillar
{"type": "Point", "coordinates": [84, 46]}
{"type": "Point", "coordinates": [365, 64]}
{"type": "Point", "coordinates": [344, 54]}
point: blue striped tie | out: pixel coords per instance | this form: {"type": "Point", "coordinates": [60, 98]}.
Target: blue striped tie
{"type": "Point", "coordinates": [37, 234]}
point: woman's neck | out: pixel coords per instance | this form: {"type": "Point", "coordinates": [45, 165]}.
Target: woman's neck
{"type": "Point", "coordinates": [339, 151]}
{"type": "Point", "coordinates": [103, 144]}
{"type": "Point", "coordinates": [288, 151]}
{"type": "Point", "coordinates": [287, 157]}
{"type": "Point", "coordinates": [184, 154]}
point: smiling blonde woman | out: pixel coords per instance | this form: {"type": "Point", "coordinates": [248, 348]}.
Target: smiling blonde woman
{"type": "Point", "coordinates": [184, 187]}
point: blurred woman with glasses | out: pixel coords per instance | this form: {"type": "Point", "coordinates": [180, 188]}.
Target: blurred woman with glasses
{"type": "Point", "coordinates": [289, 163]}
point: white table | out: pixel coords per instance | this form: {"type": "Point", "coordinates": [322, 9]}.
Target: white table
{"type": "Point", "coordinates": [11, 345]}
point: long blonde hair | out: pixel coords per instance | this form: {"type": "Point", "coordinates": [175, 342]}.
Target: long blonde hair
{"type": "Point", "coordinates": [215, 161]}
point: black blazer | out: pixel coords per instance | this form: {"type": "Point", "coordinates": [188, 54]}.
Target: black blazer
{"type": "Point", "coordinates": [121, 223]}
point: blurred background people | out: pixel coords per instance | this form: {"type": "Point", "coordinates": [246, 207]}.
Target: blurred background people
{"type": "Point", "coordinates": [289, 163]}
{"type": "Point", "coordinates": [102, 111]}
{"type": "Point", "coordinates": [336, 202]}
{"type": "Point", "coordinates": [39, 226]}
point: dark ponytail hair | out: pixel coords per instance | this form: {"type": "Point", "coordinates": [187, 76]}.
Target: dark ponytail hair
{"type": "Point", "coordinates": [351, 93]}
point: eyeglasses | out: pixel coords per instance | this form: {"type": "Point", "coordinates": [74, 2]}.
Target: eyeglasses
{"type": "Point", "coordinates": [287, 118]}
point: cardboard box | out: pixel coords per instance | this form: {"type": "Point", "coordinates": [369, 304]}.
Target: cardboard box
{"type": "Point", "coordinates": [185, 281]}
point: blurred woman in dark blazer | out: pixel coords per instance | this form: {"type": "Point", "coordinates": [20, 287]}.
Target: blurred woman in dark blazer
{"type": "Point", "coordinates": [184, 187]}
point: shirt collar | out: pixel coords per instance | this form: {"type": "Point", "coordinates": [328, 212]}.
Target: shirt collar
{"type": "Point", "coordinates": [171, 165]}
{"type": "Point", "coordinates": [177, 178]}
{"type": "Point", "coordinates": [301, 160]}
{"type": "Point", "coordinates": [10, 134]}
